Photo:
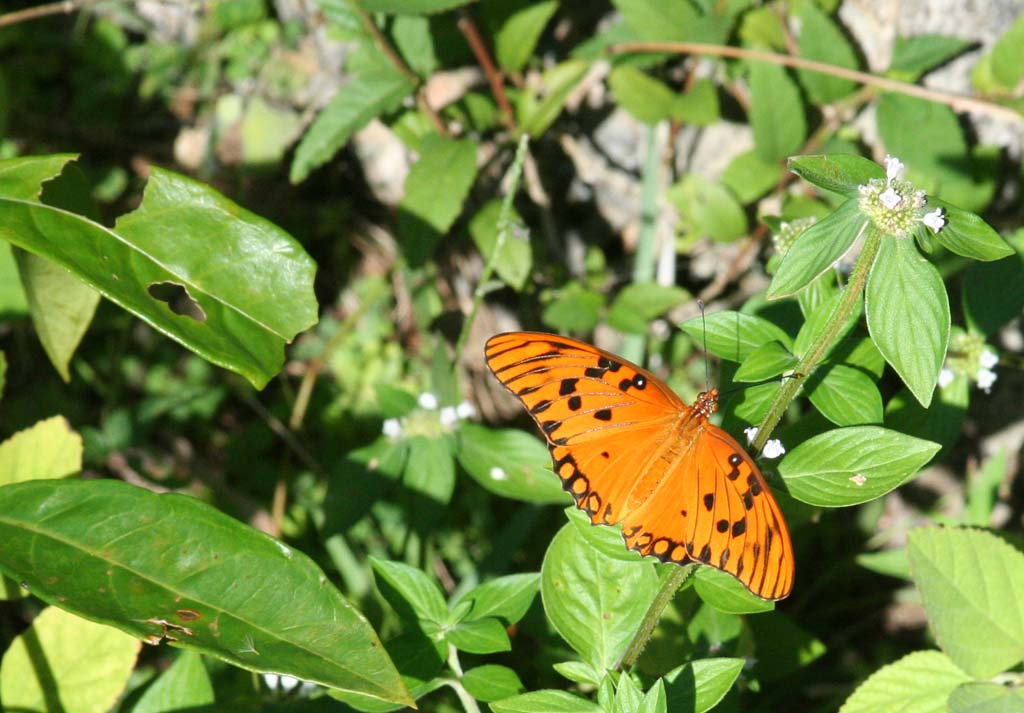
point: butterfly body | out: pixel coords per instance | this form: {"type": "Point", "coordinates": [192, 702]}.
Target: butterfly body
{"type": "Point", "coordinates": [631, 452]}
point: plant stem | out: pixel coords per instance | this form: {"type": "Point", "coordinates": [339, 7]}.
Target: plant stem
{"type": "Point", "coordinates": [494, 77]}
{"type": "Point", "coordinates": [956, 101]}
{"type": "Point", "coordinates": [467, 701]}
{"type": "Point", "coordinates": [644, 260]}
{"type": "Point", "coordinates": [34, 13]}
{"type": "Point", "coordinates": [829, 334]}
{"type": "Point", "coordinates": [504, 228]}
{"type": "Point", "coordinates": [676, 579]}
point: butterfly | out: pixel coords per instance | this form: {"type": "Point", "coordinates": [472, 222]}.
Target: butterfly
{"type": "Point", "coordinates": [631, 452]}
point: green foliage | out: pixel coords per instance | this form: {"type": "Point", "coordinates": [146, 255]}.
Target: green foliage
{"type": "Point", "coordinates": [448, 170]}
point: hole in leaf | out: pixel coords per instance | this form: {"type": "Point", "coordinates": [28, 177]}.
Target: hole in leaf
{"type": "Point", "coordinates": [178, 299]}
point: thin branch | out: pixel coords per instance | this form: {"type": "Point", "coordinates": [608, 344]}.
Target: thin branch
{"type": "Point", "coordinates": [65, 7]}
{"type": "Point", "coordinates": [396, 59]}
{"type": "Point", "coordinates": [483, 57]}
{"type": "Point", "coordinates": [957, 102]}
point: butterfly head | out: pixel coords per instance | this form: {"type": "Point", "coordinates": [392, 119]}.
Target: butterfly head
{"type": "Point", "coordinates": [706, 403]}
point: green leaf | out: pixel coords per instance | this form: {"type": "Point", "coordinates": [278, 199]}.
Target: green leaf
{"type": "Point", "coordinates": [776, 112]}
{"type": "Point", "coordinates": [409, 591]}
{"type": "Point", "coordinates": [656, 700]}
{"type": "Point", "coordinates": [594, 602]}
{"type": "Point", "coordinates": [435, 189]}
{"type": "Point", "coordinates": [637, 304]}
{"type": "Point", "coordinates": [914, 56]}
{"type": "Point", "coordinates": [416, 44]}
{"type": "Point", "coordinates": [966, 234]}
{"type": "Point", "coordinates": [578, 672]}
{"type": "Point", "coordinates": [766, 362]}
{"type": "Point", "coordinates": [491, 682]}
{"type": "Point", "coordinates": [840, 173]}
{"type": "Point", "coordinates": [430, 469]}
{"type": "Point", "coordinates": [918, 683]}
{"type": "Point", "coordinates": [506, 597]}
{"type": "Point", "coordinates": [698, 105]}
{"type": "Point", "coordinates": [970, 583]}
{"type": "Point", "coordinates": [367, 95]}
{"type": "Point", "coordinates": [411, 7]}
{"type": "Point", "coordinates": [640, 94]}
{"type": "Point", "coordinates": [627, 695]}
{"type": "Point", "coordinates": [891, 563]}
{"type": "Point", "coordinates": [61, 306]}
{"type": "Point", "coordinates": [1008, 55]}
{"type": "Point", "coordinates": [479, 636]}
{"type": "Point", "coordinates": [185, 685]}
{"type": "Point", "coordinates": [12, 296]}
{"type": "Point", "coordinates": [85, 668]}
{"type": "Point", "coordinates": [3, 373]}
{"type": "Point", "coordinates": [171, 566]}
{"type": "Point", "coordinates": [783, 648]}
{"type": "Point", "coordinates": [941, 422]}
{"type": "Point", "coordinates": [726, 594]}
{"type": "Point", "coordinates": [419, 660]}
{"type": "Point", "coordinates": [606, 540]}
{"type": "Point", "coordinates": [698, 686]}
{"type": "Point", "coordinates": [545, 702]}
{"type": "Point", "coordinates": [908, 315]}
{"type": "Point", "coordinates": [821, 40]}
{"type": "Point", "coordinates": [516, 259]}
{"type": "Point", "coordinates": [986, 698]}
{"type": "Point", "coordinates": [750, 177]}
{"type": "Point", "coordinates": [993, 293]}
{"type": "Point", "coordinates": [239, 298]}
{"type": "Point", "coordinates": [733, 335]}
{"type": "Point", "coordinates": [816, 249]}
{"type": "Point", "coordinates": [847, 466]}
{"type": "Point", "coordinates": [516, 26]}
{"type": "Point", "coordinates": [510, 463]}
{"type": "Point", "coordinates": [656, 20]}
{"type": "Point", "coordinates": [48, 449]}
{"type": "Point", "coordinates": [818, 319]}
{"type": "Point", "coordinates": [575, 309]}
{"type": "Point", "coordinates": [708, 208]}
{"type": "Point", "coordinates": [846, 396]}
{"type": "Point", "coordinates": [558, 81]}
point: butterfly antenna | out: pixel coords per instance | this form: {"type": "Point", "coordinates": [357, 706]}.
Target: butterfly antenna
{"type": "Point", "coordinates": [704, 333]}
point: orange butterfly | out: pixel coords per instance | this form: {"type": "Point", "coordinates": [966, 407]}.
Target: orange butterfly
{"type": "Point", "coordinates": [630, 451]}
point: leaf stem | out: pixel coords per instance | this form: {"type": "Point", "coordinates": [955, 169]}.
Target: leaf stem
{"type": "Point", "coordinates": [469, 703]}
{"type": "Point", "coordinates": [515, 172]}
{"type": "Point", "coordinates": [34, 13]}
{"type": "Point", "coordinates": [818, 349]}
{"type": "Point", "coordinates": [494, 77]}
{"type": "Point", "coordinates": [676, 578]}
{"type": "Point", "coordinates": [955, 101]}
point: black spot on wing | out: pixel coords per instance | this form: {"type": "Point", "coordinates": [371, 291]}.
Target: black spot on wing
{"type": "Point", "coordinates": [575, 403]}
{"type": "Point", "coordinates": [567, 387]}
{"type": "Point", "coordinates": [739, 527]}
{"type": "Point", "coordinates": [603, 415]}
{"type": "Point", "coordinates": [709, 501]}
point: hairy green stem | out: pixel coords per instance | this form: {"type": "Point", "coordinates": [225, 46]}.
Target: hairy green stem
{"type": "Point", "coordinates": [675, 579]}
{"type": "Point", "coordinates": [851, 294]}
{"type": "Point", "coordinates": [514, 174]}
{"type": "Point", "coordinates": [469, 703]}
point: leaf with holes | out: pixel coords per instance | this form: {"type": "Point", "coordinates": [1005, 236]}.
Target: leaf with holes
{"type": "Point", "coordinates": [171, 566]}
{"type": "Point", "coordinates": [225, 283]}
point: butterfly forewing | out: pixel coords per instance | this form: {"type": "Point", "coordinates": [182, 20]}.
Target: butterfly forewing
{"type": "Point", "coordinates": [629, 450]}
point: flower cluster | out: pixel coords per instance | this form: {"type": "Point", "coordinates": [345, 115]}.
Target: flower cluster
{"type": "Point", "coordinates": [446, 416]}
{"type": "Point", "coordinates": [969, 357]}
{"type": "Point", "coordinates": [772, 449]}
{"type": "Point", "coordinates": [789, 231]}
{"type": "Point", "coordinates": [894, 205]}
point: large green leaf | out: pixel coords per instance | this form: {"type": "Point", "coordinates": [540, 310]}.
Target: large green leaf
{"type": "Point", "coordinates": [517, 26]}
{"type": "Point", "coordinates": [913, 56]}
{"type": "Point", "coordinates": [845, 396]}
{"type": "Point", "coordinates": [971, 583]}
{"type": "Point", "coordinates": [821, 40]}
{"type": "Point", "coordinates": [966, 234]}
{"type": "Point", "coordinates": [908, 315]}
{"type": "Point", "coordinates": [594, 602]}
{"type": "Point", "coordinates": [185, 685]}
{"type": "Point", "coordinates": [546, 701]}
{"type": "Point", "coordinates": [509, 462]}
{"type": "Point", "coordinates": [847, 466]}
{"type": "Point", "coordinates": [65, 663]}
{"type": "Point", "coordinates": [170, 566]}
{"type": "Point", "coordinates": [227, 284]}
{"type": "Point", "coordinates": [646, 98]}
{"type": "Point", "coordinates": [734, 335]}
{"type": "Point", "coordinates": [699, 686]}
{"type": "Point", "coordinates": [918, 683]}
{"type": "Point", "coordinates": [48, 449]}
{"type": "Point", "coordinates": [839, 173]}
{"type": "Point", "coordinates": [656, 20]}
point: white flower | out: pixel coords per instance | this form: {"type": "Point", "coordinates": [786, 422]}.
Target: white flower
{"type": "Point", "coordinates": [392, 428]}
{"type": "Point", "coordinates": [449, 415]}
{"type": "Point", "coordinates": [985, 378]}
{"type": "Point", "coordinates": [890, 198]}
{"type": "Point", "coordinates": [946, 377]}
{"type": "Point", "coordinates": [427, 400]}
{"type": "Point", "coordinates": [498, 474]}
{"type": "Point", "coordinates": [934, 220]}
{"type": "Point", "coordinates": [988, 359]}
{"type": "Point", "coordinates": [893, 168]}
{"type": "Point", "coordinates": [751, 433]}
{"type": "Point", "coordinates": [465, 410]}
{"type": "Point", "coordinates": [773, 448]}
{"type": "Point", "coordinates": [275, 681]}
